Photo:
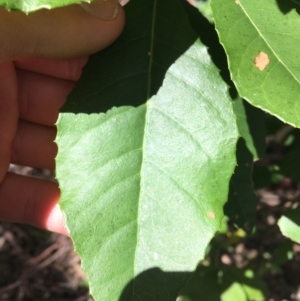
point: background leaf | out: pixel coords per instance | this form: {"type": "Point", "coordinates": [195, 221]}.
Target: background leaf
{"type": "Point", "coordinates": [157, 175]}
{"type": "Point", "coordinates": [242, 201]}
{"type": "Point", "coordinates": [132, 70]}
{"type": "Point", "coordinates": [289, 224]}
{"type": "Point", "coordinates": [151, 175]}
{"type": "Point", "coordinates": [33, 5]}
{"type": "Point", "coordinates": [224, 283]}
{"type": "Point", "coordinates": [271, 27]}
{"type": "Point", "coordinates": [251, 125]}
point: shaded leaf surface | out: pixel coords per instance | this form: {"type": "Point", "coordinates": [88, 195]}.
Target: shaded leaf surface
{"type": "Point", "coordinates": [225, 283]}
{"type": "Point", "coordinates": [205, 9]}
{"type": "Point", "coordinates": [131, 71]}
{"type": "Point", "coordinates": [242, 201]}
{"type": "Point", "coordinates": [271, 28]}
{"type": "Point", "coordinates": [251, 125]}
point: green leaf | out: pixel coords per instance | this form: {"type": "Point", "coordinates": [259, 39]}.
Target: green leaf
{"type": "Point", "coordinates": [205, 9]}
{"type": "Point", "coordinates": [132, 70]}
{"type": "Point", "coordinates": [241, 292]}
{"type": "Point", "coordinates": [224, 283]}
{"type": "Point", "coordinates": [242, 201]}
{"type": "Point", "coordinates": [242, 284]}
{"type": "Point", "coordinates": [251, 125]}
{"type": "Point", "coordinates": [235, 291]}
{"type": "Point", "coordinates": [289, 224]}
{"type": "Point", "coordinates": [143, 188]}
{"type": "Point", "coordinates": [269, 30]}
{"type": "Point", "coordinates": [33, 5]}
{"type": "Point", "coordinates": [283, 253]}
{"type": "Point", "coordinates": [150, 182]}
{"type": "Point", "coordinates": [204, 285]}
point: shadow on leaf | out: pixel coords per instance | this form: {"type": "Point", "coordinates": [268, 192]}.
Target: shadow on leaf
{"type": "Point", "coordinates": [209, 37]}
{"type": "Point", "coordinates": [224, 283]}
{"type": "Point", "coordinates": [154, 284]}
{"type": "Point", "coordinates": [242, 201]}
{"type": "Point", "coordinates": [287, 5]}
{"type": "Point", "coordinates": [132, 70]}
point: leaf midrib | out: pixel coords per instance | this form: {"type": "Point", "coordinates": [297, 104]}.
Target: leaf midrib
{"type": "Point", "coordinates": [144, 138]}
{"type": "Point", "coordinates": [151, 51]}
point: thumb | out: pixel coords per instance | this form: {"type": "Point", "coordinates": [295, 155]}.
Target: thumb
{"type": "Point", "coordinates": [66, 32]}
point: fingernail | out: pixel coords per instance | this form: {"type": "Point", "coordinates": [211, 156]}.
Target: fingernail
{"type": "Point", "coordinates": [101, 9]}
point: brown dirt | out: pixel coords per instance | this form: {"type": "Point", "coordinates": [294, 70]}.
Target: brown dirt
{"type": "Point", "coordinates": [37, 265]}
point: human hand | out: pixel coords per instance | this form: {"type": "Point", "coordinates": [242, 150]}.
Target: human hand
{"type": "Point", "coordinates": [41, 58]}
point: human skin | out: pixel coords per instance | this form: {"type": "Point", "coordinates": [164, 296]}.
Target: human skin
{"type": "Point", "coordinates": [41, 58]}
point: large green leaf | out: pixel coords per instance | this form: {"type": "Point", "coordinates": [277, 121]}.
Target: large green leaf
{"type": "Point", "coordinates": [150, 182]}
{"type": "Point", "coordinates": [143, 187]}
{"type": "Point", "coordinates": [268, 30]}
{"type": "Point", "coordinates": [28, 6]}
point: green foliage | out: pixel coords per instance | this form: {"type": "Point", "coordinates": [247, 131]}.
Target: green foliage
{"type": "Point", "coordinates": [251, 125]}
{"type": "Point", "coordinates": [156, 180]}
{"type": "Point", "coordinates": [271, 27]}
{"type": "Point", "coordinates": [28, 6]}
{"type": "Point", "coordinates": [242, 201]}
{"type": "Point", "coordinates": [148, 153]}
{"type": "Point", "coordinates": [289, 224]}
{"type": "Point", "coordinates": [205, 9]}
{"type": "Point", "coordinates": [224, 283]}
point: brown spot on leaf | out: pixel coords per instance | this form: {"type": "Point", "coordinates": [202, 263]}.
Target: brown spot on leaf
{"type": "Point", "coordinates": [237, 2]}
{"type": "Point", "coordinates": [211, 215]}
{"type": "Point", "coordinates": [261, 61]}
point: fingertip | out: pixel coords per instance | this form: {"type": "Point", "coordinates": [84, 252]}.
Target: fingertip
{"type": "Point", "coordinates": [55, 221]}
{"type": "Point", "coordinates": [31, 201]}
